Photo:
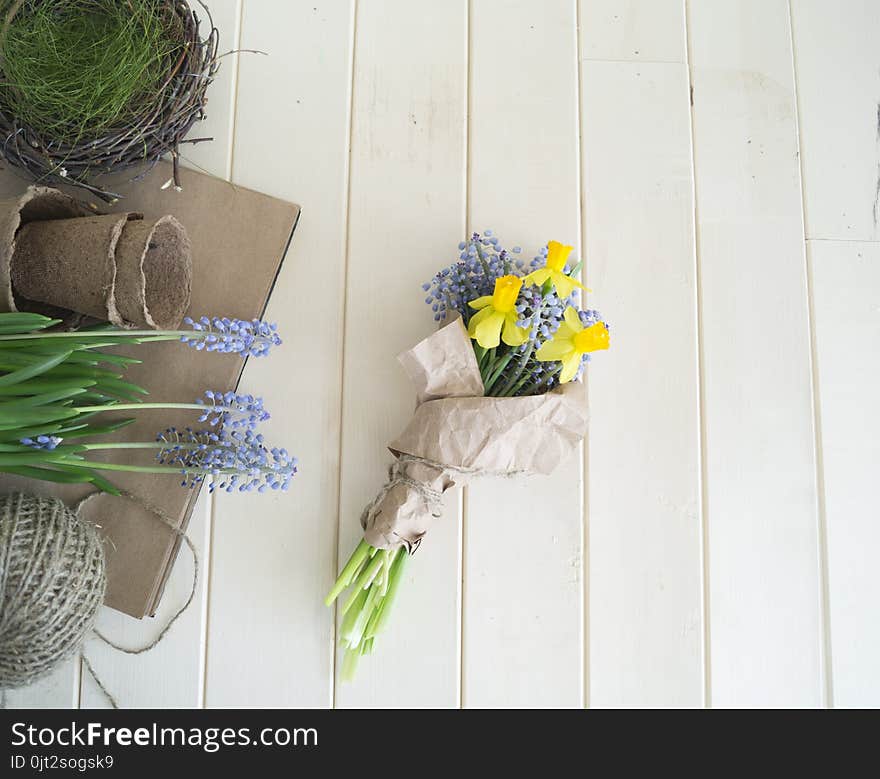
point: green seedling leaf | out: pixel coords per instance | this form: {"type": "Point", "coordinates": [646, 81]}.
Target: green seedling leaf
{"type": "Point", "coordinates": [31, 371]}
{"type": "Point", "coordinates": [37, 386]}
{"type": "Point", "coordinates": [45, 398]}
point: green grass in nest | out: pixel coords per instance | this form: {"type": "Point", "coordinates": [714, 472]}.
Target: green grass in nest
{"type": "Point", "coordinates": [72, 70]}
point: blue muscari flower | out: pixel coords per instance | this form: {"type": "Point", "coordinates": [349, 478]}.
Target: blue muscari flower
{"type": "Point", "coordinates": [229, 409]}
{"type": "Point", "coordinates": [231, 460]}
{"type": "Point", "coordinates": [467, 279]}
{"type": "Point", "coordinates": [45, 442]}
{"type": "Point", "coordinates": [252, 338]}
{"type": "Point", "coordinates": [590, 317]}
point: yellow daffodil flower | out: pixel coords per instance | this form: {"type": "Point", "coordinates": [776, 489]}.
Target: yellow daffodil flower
{"type": "Point", "coordinates": [496, 318]}
{"type": "Point", "coordinates": [557, 256]}
{"type": "Point", "coordinates": [571, 342]}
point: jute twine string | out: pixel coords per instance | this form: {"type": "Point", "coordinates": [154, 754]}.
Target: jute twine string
{"type": "Point", "coordinates": [162, 517]}
{"type": "Point", "coordinates": [432, 499]}
{"type": "Point", "coordinates": [52, 581]}
{"type": "Point", "coordinates": [397, 475]}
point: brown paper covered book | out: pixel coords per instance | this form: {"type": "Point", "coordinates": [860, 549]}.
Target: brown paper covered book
{"type": "Point", "coordinates": [239, 239]}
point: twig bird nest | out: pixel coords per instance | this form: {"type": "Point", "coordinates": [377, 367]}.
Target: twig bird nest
{"type": "Point", "coordinates": [91, 87]}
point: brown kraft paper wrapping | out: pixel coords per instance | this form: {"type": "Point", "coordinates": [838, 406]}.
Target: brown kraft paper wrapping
{"type": "Point", "coordinates": [453, 437]}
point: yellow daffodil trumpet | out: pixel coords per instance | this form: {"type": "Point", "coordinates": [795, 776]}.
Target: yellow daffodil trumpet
{"type": "Point", "coordinates": [554, 271]}
{"type": "Point", "coordinates": [571, 342]}
{"type": "Point", "coordinates": [497, 316]}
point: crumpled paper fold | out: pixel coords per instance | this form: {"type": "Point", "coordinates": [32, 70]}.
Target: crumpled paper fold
{"type": "Point", "coordinates": [457, 434]}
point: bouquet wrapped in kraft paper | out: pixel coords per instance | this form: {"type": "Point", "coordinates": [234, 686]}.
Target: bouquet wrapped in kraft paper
{"type": "Point", "coordinates": [457, 434]}
{"type": "Point", "coordinates": [497, 395]}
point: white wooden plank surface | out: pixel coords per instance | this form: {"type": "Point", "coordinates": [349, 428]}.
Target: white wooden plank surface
{"type": "Point", "coordinates": [645, 636]}
{"type": "Point", "coordinates": [836, 66]}
{"type": "Point", "coordinates": [168, 676]}
{"type": "Point", "coordinates": [837, 60]}
{"type": "Point", "coordinates": [406, 217]}
{"type": "Point", "coordinates": [523, 577]}
{"type": "Point", "coordinates": [760, 473]}
{"type": "Point", "coordinates": [846, 282]}
{"type": "Point", "coordinates": [633, 30]}
{"type": "Point", "coordinates": [270, 638]}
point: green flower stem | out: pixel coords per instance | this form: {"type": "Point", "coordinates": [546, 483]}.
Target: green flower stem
{"type": "Point", "coordinates": [360, 624]}
{"type": "Point", "coordinates": [346, 576]}
{"type": "Point", "coordinates": [486, 363]}
{"type": "Point", "coordinates": [34, 457]}
{"type": "Point", "coordinates": [370, 630]}
{"type": "Point", "coordinates": [471, 289]}
{"type": "Point", "coordinates": [136, 445]}
{"type": "Point", "coordinates": [518, 377]}
{"type": "Point", "coordinates": [519, 385]}
{"type": "Point", "coordinates": [139, 407]}
{"type": "Point", "coordinates": [517, 374]}
{"type": "Point", "coordinates": [350, 617]}
{"type": "Point", "coordinates": [375, 577]}
{"type": "Point", "coordinates": [499, 369]}
{"type": "Point", "coordinates": [349, 665]}
{"type": "Point", "coordinates": [92, 465]}
{"type": "Point", "coordinates": [534, 386]}
{"type": "Point", "coordinates": [395, 577]}
{"type": "Point", "coordinates": [114, 336]}
{"type": "Point", "coordinates": [483, 260]}
{"type": "Point", "coordinates": [132, 445]}
{"type": "Point", "coordinates": [386, 571]}
{"type": "Point", "coordinates": [370, 572]}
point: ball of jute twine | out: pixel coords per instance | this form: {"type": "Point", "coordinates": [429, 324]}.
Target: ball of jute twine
{"type": "Point", "coordinates": [52, 583]}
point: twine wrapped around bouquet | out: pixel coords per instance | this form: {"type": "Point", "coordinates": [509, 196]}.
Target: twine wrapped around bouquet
{"type": "Point", "coordinates": [114, 267]}
{"type": "Point", "coordinates": [155, 123]}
